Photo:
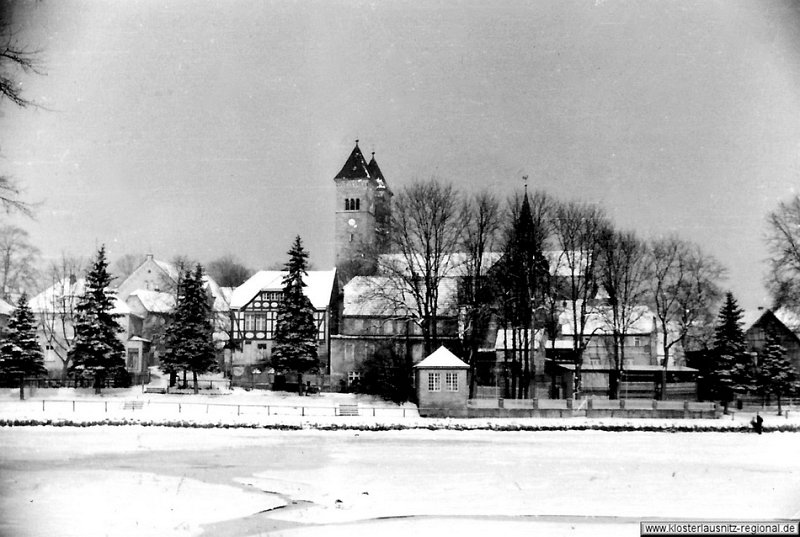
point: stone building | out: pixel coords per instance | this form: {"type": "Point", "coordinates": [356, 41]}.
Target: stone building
{"type": "Point", "coordinates": [363, 209]}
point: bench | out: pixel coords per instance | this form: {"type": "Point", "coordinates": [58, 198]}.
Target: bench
{"type": "Point", "coordinates": [348, 410]}
{"type": "Point", "coordinates": [155, 389]}
{"type": "Point", "coordinates": [132, 405]}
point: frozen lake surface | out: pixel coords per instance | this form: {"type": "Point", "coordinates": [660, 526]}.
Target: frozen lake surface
{"type": "Point", "coordinates": [164, 481]}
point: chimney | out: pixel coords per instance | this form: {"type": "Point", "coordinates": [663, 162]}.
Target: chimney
{"type": "Point", "coordinates": [149, 257]}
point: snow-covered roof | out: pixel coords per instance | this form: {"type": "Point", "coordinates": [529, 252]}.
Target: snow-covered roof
{"type": "Point", "coordinates": [638, 368]}
{"type": "Point", "coordinates": [515, 339]}
{"type": "Point", "coordinates": [355, 167]}
{"type": "Point", "coordinates": [452, 265]}
{"type": "Point", "coordinates": [227, 293]}
{"type": "Point", "coordinates": [221, 302]}
{"type": "Point", "coordinates": [63, 296]}
{"type": "Point", "coordinates": [171, 270]}
{"type": "Point", "coordinates": [598, 321]}
{"type": "Point", "coordinates": [380, 296]}
{"type": "Point", "coordinates": [5, 308]}
{"type": "Point", "coordinates": [155, 301]}
{"type": "Point", "coordinates": [442, 358]}
{"type": "Point", "coordinates": [318, 289]}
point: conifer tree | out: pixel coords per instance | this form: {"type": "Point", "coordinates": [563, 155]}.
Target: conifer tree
{"type": "Point", "coordinates": [96, 348]}
{"type": "Point", "coordinates": [189, 337]}
{"type": "Point", "coordinates": [20, 353]}
{"type": "Point", "coordinates": [776, 375]}
{"type": "Point", "coordinates": [295, 348]}
{"type": "Point", "coordinates": [731, 371]}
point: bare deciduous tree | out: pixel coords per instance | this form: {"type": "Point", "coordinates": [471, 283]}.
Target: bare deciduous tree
{"type": "Point", "coordinates": [15, 60]}
{"type": "Point", "coordinates": [683, 288]}
{"type": "Point", "coordinates": [425, 230]}
{"type": "Point", "coordinates": [18, 258]}
{"type": "Point", "coordinates": [55, 307]}
{"type": "Point", "coordinates": [482, 225]}
{"type": "Point", "coordinates": [783, 240]}
{"type": "Point", "coordinates": [227, 271]}
{"type": "Point", "coordinates": [578, 229]}
{"type": "Point", "coordinates": [623, 272]}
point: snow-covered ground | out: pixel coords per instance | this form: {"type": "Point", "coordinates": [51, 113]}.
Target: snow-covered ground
{"type": "Point", "coordinates": [162, 481]}
{"type": "Point", "coordinates": [240, 407]}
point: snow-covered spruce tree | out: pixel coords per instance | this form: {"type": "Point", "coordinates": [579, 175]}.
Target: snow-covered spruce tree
{"type": "Point", "coordinates": [731, 371]}
{"type": "Point", "coordinates": [776, 375]}
{"type": "Point", "coordinates": [295, 348]}
{"type": "Point", "coordinates": [96, 348]}
{"type": "Point", "coordinates": [189, 337]}
{"type": "Point", "coordinates": [20, 353]}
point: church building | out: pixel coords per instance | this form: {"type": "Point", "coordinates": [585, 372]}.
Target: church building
{"type": "Point", "coordinates": [363, 210]}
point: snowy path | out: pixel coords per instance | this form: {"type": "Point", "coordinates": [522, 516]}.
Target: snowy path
{"type": "Point", "coordinates": [153, 481]}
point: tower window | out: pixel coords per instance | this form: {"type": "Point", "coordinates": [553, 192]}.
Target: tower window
{"type": "Point", "coordinates": [347, 204]}
{"type": "Point", "coordinates": [358, 203]}
{"type": "Point", "coordinates": [351, 237]}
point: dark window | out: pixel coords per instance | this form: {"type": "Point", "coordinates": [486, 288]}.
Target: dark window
{"type": "Point", "coordinates": [358, 205]}
{"type": "Point", "coordinates": [347, 205]}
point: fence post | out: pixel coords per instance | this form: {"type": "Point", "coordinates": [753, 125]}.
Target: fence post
{"type": "Point", "coordinates": [267, 410]}
{"type": "Point", "coordinates": [73, 406]}
{"type": "Point", "coordinates": [206, 409]}
{"type": "Point", "coordinates": [106, 405]}
{"type": "Point", "coordinates": [42, 405]}
{"type": "Point", "coordinates": [179, 408]}
{"type": "Point", "coordinates": [303, 411]}
{"type": "Point", "coordinates": [404, 412]}
{"type": "Point", "coordinates": [238, 410]}
{"type": "Point", "coordinates": [373, 412]}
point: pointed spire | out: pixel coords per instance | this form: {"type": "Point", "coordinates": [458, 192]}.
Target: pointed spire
{"type": "Point", "coordinates": [374, 169]}
{"type": "Point", "coordinates": [356, 166]}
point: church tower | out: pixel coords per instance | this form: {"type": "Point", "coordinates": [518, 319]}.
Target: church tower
{"type": "Point", "coordinates": [363, 209]}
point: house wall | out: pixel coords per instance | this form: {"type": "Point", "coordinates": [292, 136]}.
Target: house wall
{"type": "Point", "coordinates": [756, 335]}
{"type": "Point", "coordinates": [638, 349]}
{"type": "Point", "coordinates": [348, 354]}
{"type": "Point", "coordinates": [433, 402]}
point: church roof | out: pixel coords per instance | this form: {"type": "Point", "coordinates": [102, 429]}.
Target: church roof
{"type": "Point", "coordinates": [376, 173]}
{"type": "Point", "coordinates": [442, 358]}
{"type": "Point", "coordinates": [356, 166]}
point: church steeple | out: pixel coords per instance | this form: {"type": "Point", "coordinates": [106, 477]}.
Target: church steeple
{"type": "Point", "coordinates": [356, 166]}
{"type": "Point", "coordinates": [376, 173]}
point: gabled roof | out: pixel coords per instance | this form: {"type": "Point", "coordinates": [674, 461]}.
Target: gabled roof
{"type": "Point", "coordinates": [171, 270]}
{"type": "Point", "coordinates": [155, 301]}
{"type": "Point", "coordinates": [5, 308]}
{"type": "Point", "coordinates": [379, 296]}
{"type": "Point", "coordinates": [318, 289]}
{"type": "Point", "coordinates": [598, 321]}
{"type": "Point", "coordinates": [356, 166]}
{"type": "Point", "coordinates": [763, 316]}
{"type": "Point", "coordinates": [452, 265]}
{"type": "Point", "coordinates": [442, 359]}
{"type": "Point", "coordinates": [515, 339]}
{"type": "Point", "coordinates": [63, 296]}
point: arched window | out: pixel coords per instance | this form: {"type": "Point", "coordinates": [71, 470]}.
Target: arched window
{"type": "Point", "coordinates": [347, 205]}
{"type": "Point", "coordinates": [358, 204]}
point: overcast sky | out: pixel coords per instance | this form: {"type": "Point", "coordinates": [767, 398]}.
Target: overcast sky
{"type": "Point", "coordinates": [206, 128]}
